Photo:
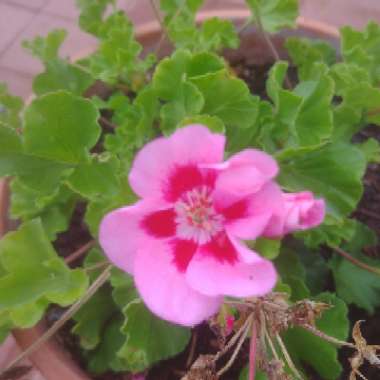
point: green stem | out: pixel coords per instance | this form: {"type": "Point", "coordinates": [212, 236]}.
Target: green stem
{"type": "Point", "coordinates": [268, 40]}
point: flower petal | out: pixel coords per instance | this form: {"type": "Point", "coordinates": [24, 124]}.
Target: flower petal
{"type": "Point", "coordinates": [246, 172]}
{"type": "Point", "coordinates": [250, 276]}
{"type": "Point", "coordinates": [183, 252]}
{"type": "Point", "coordinates": [299, 211]}
{"type": "Point", "coordinates": [164, 289]}
{"type": "Point", "coordinates": [156, 162]}
{"type": "Point", "coordinates": [260, 207]}
{"type": "Point", "coordinates": [304, 211]}
{"type": "Point", "coordinates": [121, 233]}
{"type": "Point", "coordinates": [160, 224]}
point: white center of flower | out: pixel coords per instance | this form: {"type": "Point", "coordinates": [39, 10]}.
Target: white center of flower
{"type": "Point", "coordinates": [196, 217]}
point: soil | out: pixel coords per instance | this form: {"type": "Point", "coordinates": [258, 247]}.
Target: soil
{"type": "Point", "coordinates": [206, 341]}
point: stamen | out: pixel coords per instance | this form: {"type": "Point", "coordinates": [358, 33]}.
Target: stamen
{"type": "Point", "coordinates": [196, 218]}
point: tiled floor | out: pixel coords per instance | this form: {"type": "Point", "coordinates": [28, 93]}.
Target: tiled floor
{"type": "Point", "coordinates": [24, 19]}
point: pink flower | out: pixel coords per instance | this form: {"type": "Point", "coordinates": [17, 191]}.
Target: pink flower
{"type": "Point", "coordinates": [230, 321]}
{"type": "Point", "coordinates": [299, 211]}
{"type": "Point", "coordinates": [182, 240]}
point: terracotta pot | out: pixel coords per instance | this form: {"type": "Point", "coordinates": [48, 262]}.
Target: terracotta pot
{"type": "Point", "coordinates": [50, 359]}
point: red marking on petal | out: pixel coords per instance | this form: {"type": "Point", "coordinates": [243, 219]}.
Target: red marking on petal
{"type": "Point", "coordinates": [221, 248]}
{"type": "Point", "coordinates": [236, 210]}
{"type": "Point", "coordinates": [183, 251]}
{"type": "Point", "coordinates": [160, 224]}
{"type": "Point", "coordinates": [209, 176]}
{"type": "Point", "coordinates": [182, 179]}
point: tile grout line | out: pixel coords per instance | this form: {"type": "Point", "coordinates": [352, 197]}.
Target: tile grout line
{"type": "Point", "coordinates": [23, 6]}
{"type": "Point", "coordinates": [17, 72]}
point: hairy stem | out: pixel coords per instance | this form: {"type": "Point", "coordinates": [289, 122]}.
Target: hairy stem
{"type": "Point", "coordinates": [355, 261]}
{"type": "Point", "coordinates": [96, 266]}
{"type": "Point", "coordinates": [271, 345]}
{"type": "Point", "coordinates": [288, 359]}
{"type": "Point", "coordinates": [237, 349]}
{"type": "Point", "coordinates": [252, 352]}
{"type": "Point", "coordinates": [107, 123]}
{"type": "Point", "coordinates": [326, 337]}
{"type": "Point", "coordinates": [79, 252]}
{"type": "Point", "coordinates": [232, 341]}
{"type": "Point", "coordinates": [103, 277]}
{"type": "Point", "coordinates": [192, 350]}
{"type": "Point", "coordinates": [157, 14]}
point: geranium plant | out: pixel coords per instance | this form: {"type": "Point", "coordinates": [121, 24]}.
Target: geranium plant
{"type": "Point", "coordinates": [173, 216]}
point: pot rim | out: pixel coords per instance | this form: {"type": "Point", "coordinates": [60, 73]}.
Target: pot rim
{"type": "Point", "coordinates": [51, 359]}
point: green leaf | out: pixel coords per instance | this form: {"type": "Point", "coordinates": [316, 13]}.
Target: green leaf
{"type": "Point", "coordinates": [169, 81]}
{"type": "Point", "coordinates": [104, 357]}
{"type": "Point", "coordinates": [117, 58]}
{"type": "Point", "coordinates": [10, 108]}
{"type": "Point", "coordinates": [213, 123]}
{"type": "Point", "coordinates": [36, 172]}
{"type": "Point", "coordinates": [124, 290]}
{"type": "Point", "coordinates": [61, 127]}
{"type": "Point", "coordinates": [316, 270]}
{"type": "Point", "coordinates": [147, 105]}
{"type": "Point", "coordinates": [333, 172]}
{"type": "Point", "coordinates": [54, 209]}
{"type": "Point", "coordinates": [371, 150]}
{"type": "Point", "coordinates": [321, 355]}
{"type": "Point", "coordinates": [97, 209]}
{"type": "Point", "coordinates": [46, 48]}
{"type": "Point", "coordinates": [353, 284]}
{"type": "Point", "coordinates": [92, 317]}
{"type": "Point", "coordinates": [204, 63]}
{"type": "Point", "coordinates": [362, 49]}
{"type": "Point", "coordinates": [189, 102]}
{"type": "Point", "coordinates": [136, 123]}
{"type": "Point", "coordinates": [306, 52]}
{"type": "Point", "coordinates": [314, 122]}
{"type": "Point", "coordinates": [354, 85]}
{"type": "Point", "coordinates": [148, 338]}
{"type": "Point", "coordinates": [217, 34]}
{"type": "Point", "coordinates": [347, 121]}
{"type": "Point", "coordinates": [292, 273]}
{"type": "Point", "coordinates": [96, 180]}
{"type": "Point", "coordinates": [302, 117]}
{"type": "Point", "coordinates": [91, 14]}
{"type": "Point", "coordinates": [228, 98]}
{"type": "Point", "coordinates": [60, 75]}
{"type": "Point", "coordinates": [29, 314]}
{"type": "Point", "coordinates": [268, 248]}
{"type": "Point", "coordinates": [33, 275]}
{"type": "Point", "coordinates": [170, 7]}
{"type": "Point", "coordinates": [10, 142]}
{"type": "Point", "coordinates": [274, 15]}
{"type": "Point", "coordinates": [180, 21]}
{"type": "Point", "coordinates": [169, 75]}
{"type": "Point", "coordinates": [332, 232]}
